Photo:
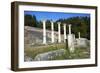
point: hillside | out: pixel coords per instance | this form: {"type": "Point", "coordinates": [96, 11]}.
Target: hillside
{"type": "Point", "coordinates": [33, 36]}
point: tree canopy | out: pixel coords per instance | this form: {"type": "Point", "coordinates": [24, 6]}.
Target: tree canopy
{"type": "Point", "coordinates": [79, 24]}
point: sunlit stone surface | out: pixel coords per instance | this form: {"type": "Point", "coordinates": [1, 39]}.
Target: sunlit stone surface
{"type": "Point", "coordinates": [49, 55]}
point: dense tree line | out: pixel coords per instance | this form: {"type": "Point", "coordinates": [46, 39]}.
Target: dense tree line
{"type": "Point", "coordinates": [79, 24]}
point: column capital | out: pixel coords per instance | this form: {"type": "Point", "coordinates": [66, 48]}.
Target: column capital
{"type": "Point", "coordinates": [59, 22]}
{"type": "Point", "coordinates": [43, 20]}
{"type": "Point", "coordinates": [70, 25]}
{"type": "Point", "coordinates": [64, 24]}
{"type": "Point", "coordinates": [52, 21]}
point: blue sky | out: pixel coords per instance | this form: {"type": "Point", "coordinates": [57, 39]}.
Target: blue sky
{"type": "Point", "coordinates": [53, 15]}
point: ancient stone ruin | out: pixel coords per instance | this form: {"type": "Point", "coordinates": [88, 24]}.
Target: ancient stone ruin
{"type": "Point", "coordinates": [49, 55]}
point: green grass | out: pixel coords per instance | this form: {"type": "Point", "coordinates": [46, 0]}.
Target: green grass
{"type": "Point", "coordinates": [79, 53]}
{"type": "Point", "coordinates": [32, 52]}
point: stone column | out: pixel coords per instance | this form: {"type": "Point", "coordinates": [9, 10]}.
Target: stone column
{"type": "Point", "coordinates": [44, 32]}
{"type": "Point", "coordinates": [69, 29]}
{"type": "Point", "coordinates": [64, 32]}
{"type": "Point", "coordinates": [52, 32]}
{"type": "Point", "coordinates": [74, 37]}
{"type": "Point", "coordinates": [79, 35]}
{"type": "Point", "coordinates": [59, 32]}
{"type": "Point", "coordinates": [71, 38]}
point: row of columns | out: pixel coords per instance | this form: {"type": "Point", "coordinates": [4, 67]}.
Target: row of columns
{"type": "Point", "coordinates": [70, 37]}
{"type": "Point", "coordinates": [52, 32]}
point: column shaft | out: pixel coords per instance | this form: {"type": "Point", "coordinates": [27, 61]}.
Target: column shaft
{"type": "Point", "coordinates": [69, 29]}
{"type": "Point", "coordinates": [64, 32]}
{"type": "Point", "coordinates": [44, 32]}
{"type": "Point", "coordinates": [52, 32]}
{"type": "Point", "coordinates": [59, 33]}
{"type": "Point", "coordinates": [79, 35]}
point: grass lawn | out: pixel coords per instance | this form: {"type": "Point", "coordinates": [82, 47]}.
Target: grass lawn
{"type": "Point", "coordinates": [80, 53]}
